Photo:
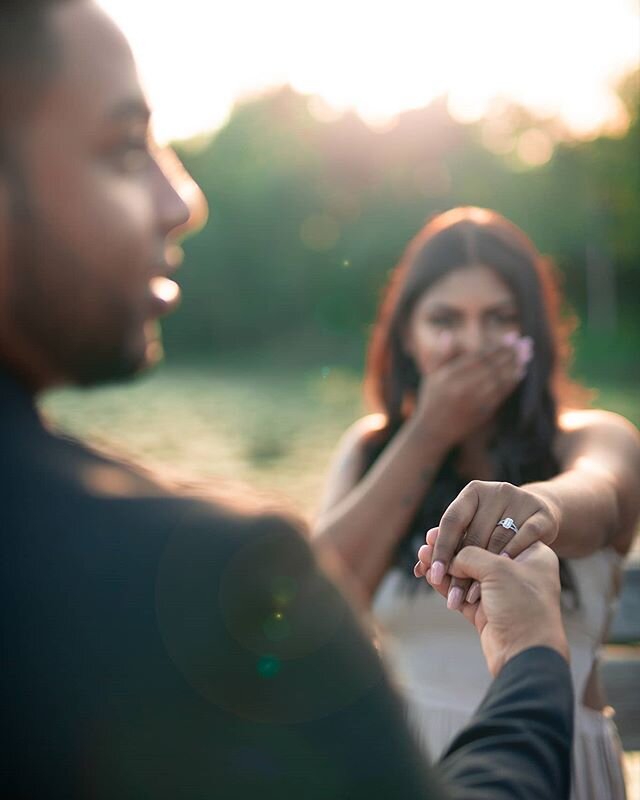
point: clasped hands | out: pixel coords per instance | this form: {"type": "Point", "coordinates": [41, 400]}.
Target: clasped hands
{"type": "Point", "coordinates": [514, 601]}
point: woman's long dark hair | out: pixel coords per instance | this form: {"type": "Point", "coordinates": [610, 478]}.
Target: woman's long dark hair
{"type": "Point", "coordinates": [527, 423]}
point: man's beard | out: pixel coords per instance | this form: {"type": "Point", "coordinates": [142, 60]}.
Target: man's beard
{"type": "Point", "coordinates": [44, 274]}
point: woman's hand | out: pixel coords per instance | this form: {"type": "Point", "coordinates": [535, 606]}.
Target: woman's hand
{"type": "Point", "coordinates": [473, 519]}
{"type": "Point", "coordinates": [464, 392]}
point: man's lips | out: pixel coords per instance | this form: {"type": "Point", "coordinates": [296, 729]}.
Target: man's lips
{"type": "Point", "coordinates": [165, 295]}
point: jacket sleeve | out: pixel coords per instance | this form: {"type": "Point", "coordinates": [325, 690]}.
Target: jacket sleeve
{"type": "Point", "coordinates": [518, 743]}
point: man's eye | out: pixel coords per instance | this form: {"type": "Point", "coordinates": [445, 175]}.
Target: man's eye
{"type": "Point", "coordinates": [133, 156]}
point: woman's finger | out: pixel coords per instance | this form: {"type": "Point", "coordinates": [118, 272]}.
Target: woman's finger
{"type": "Point", "coordinates": [499, 379]}
{"type": "Point", "coordinates": [446, 349]}
{"type": "Point", "coordinates": [473, 595]}
{"type": "Point", "coordinates": [424, 561]}
{"type": "Point", "coordinates": [479, 533]}
{"type": "Point", "coordinates": [504, 533]}
{"type": "Point", "coordinates": [537, 528]}
{"type": "Point", "coordinates": [443, 587]}
{"type": "Point", "coordinates": [468, 371]}
{"type": "Point", "coordinates": [425, 554]}
{"type": "Point", "coordinates": [500, 538]}
{"type": "Point", "coordinates": [452, 528]}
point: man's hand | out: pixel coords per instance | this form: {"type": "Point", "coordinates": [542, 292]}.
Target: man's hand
{"type": "Point", "coordinates": [520, 601]}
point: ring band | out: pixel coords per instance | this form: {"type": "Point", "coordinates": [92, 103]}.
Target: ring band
{"type": "Point", "coordinates": [508, 524]}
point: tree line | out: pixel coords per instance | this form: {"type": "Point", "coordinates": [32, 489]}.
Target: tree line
{"type": "Point", "coordinates": [308, 215]}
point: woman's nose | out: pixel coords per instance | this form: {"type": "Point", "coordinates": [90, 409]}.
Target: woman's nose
{"type": "Point", "coordinates": [472, 338]}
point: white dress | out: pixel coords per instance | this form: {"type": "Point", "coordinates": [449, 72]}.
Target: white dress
{"type": "Point", "coordinates": [435, 658]}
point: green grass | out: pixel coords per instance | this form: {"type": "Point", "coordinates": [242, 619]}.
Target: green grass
{"type": "Point", "coordinates": [250, 422]}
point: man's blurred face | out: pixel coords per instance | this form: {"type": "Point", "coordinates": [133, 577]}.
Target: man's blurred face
{"type": "Point", "coordinates": [88, 217]}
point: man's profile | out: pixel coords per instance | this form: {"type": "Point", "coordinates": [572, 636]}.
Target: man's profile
{"type": "Point", "coordinates": [158, 645]}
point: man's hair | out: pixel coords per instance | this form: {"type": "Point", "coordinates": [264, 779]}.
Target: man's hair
{"type": "Point", "coordinates": [29, 57]}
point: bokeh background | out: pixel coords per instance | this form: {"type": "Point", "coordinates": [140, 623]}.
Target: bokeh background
{"type": "Point", "coordinates": [323, 138]}
{"type": "Point", "coordinates": [324, 135]}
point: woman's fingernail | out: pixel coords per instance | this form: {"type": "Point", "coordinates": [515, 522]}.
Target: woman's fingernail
{"type": "Point", "coordinates": [418, 570]}
{"type": "Point", "coordinates": [473, 595]}
{"type": "Point", "coordinates": [437, 573]}
{"type": "Point", "coordinates": [504, 554]}
{"type": "Point", "coordinates": [509, 339]}
{"type": "Point", "coordinates": [454, 598]}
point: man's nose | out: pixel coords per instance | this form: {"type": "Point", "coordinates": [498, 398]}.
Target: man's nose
{"type": "Point", "coordinates": [182, 207]}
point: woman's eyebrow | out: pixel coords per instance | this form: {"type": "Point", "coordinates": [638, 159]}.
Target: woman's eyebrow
{"type": "Point", "coordinates": [506, 304]}
{"type": "Point", "coordinates": [441, 305]}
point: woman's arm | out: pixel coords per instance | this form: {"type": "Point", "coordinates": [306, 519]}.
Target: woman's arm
{"type": "Point", "coordinates": [362, 519]}
{"type": "Point", "coordinates": [596, 497]}
{"type": "Point", "coordinates": [592, 503]}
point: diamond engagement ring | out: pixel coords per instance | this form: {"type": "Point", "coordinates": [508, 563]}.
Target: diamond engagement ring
{"type": "Point", "coordinates": [508, 524]}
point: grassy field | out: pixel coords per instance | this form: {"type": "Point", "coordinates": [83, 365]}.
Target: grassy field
{"type": "Point", "coordinates": [246, 424]}
{"type": "Point", "coordinates": [273, 429]}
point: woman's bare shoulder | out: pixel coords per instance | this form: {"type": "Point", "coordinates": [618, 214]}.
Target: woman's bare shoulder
{"type": "Point", "coordinates": [356, 437]}
{"type": "Point", "coordinates": [368, 425]}
{"type": "Point", "coordinates": [596, 425]}
{"type": "Point", "coordinates": [349, 460]}
{"type": "Point", "coordinates": [573, 421]}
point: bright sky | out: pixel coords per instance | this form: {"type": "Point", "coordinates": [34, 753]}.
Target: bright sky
{"type": "Point", "coordinates": [555, 56]}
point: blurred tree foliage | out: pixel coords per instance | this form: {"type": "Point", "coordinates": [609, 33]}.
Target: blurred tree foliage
{"type": "Point", "coordinates": [308, 216]}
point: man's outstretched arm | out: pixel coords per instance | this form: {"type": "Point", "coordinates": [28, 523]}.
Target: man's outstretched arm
{"type": "Point", "coordinates": [518, 743]}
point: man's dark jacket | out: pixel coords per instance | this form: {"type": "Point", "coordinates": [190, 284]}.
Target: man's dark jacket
{"type": "Point", "coordinates": [160, 646]}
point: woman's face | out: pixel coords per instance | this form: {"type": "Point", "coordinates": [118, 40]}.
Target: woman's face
{"type": "Point", "coordinates": [469, 310]}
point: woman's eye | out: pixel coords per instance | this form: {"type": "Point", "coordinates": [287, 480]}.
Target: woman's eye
{"type": "Point", "coordinates": [505, 319]}
{"type": "Point", "coordinates": [442, 321]}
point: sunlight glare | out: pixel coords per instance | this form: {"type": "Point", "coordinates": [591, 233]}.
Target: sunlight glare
{"type": "Point", "coordinates": [556, 58]}
{"type": "Point", "coordinates": [535, 147]}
